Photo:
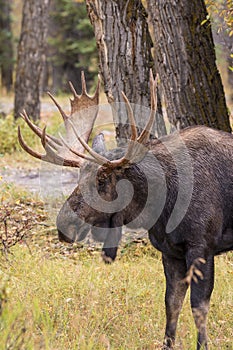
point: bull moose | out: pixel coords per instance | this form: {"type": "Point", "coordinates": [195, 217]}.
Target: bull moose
{"type": "Point", "coordinates": [178, 187]}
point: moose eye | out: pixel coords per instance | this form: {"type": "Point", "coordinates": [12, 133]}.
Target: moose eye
{"type": "Point", "coordinates": [101, 185]}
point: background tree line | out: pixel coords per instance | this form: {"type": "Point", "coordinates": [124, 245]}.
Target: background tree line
{"type": "Point", "coordinates": [70, 43]}
{"type": "Point", "coordinates": [173, 38]}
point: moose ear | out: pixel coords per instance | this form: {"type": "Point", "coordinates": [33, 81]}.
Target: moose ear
{"type": "Point", "coordinates": [98, 143]}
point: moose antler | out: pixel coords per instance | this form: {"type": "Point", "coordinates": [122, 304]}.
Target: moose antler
{"type": "Point", "coordinates": [60, 151]}
{"type": "Point", "coordinates": [135, 149]}
{"type": "Point", "coordinates": [84, 110]}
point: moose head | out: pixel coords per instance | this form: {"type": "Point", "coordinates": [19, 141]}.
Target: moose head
{"type": "Point", "coordinates": [104, 199]}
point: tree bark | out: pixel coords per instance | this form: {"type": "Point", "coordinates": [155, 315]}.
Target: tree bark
{"type": "Point", "coordinates": [31, 57]}
{"type": "Point", "coordinates": [224, 41]}
{"type": "Point", "coordinates": [6, 48]}
{"type": "Point", "coordinates": [185, 60]}
{"type": "Point", "coordinates": [125, 58]}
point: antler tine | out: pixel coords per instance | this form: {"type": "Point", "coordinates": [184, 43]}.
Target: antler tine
{"type": "Point", "coordinates": [43, 137]}
{"type": "Point", "coordinates": [134, 133]}
{"type": "Point", "coordinates": [64, 116]}
{"type": "Point", "coordinates": [46, 140]}
{"type": "Point", "coordinates": [84, 156]}
{"type": "Point", "coordinates": [84, 87]}
{"type": "Point", "coordinates": [32, 126]}
{"type": "Point", "coordinates": [73, 89]}
{"type": "Point", "coordinates": [53, 157]}
{"type": "Point", "coordinates": [50, 156]}
{"type": "Point", "coordinates": [100, 159]}
{"type": "Point", "coordinates": [36, 128]}
{"type": "Point", "coordinates": [145, 134]}
{"type": "Point", "coordinates": [26, 147]}
{"type": "Point", "coordinates": [97, 90]}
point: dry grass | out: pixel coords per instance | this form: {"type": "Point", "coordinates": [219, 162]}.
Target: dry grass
{"type": "Point", "coordinates": [80, 303]}
{"type": "Point", "coordinates": [56, 298]}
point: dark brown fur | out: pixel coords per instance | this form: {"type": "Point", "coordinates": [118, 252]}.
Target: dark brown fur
{"type": "Point", "coordinates": [205, 230]}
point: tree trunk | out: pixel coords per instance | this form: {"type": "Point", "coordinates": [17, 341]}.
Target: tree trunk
{"type": "Point", "coordinates": [31, 57]}
{"type": "Point", "coordinates": [125, 58]}
{"type": "Point", "coordinates": [6, 48]}
{"type": "Point", "coordinates": [225, 44]}
{"type": "Point", "coordinates": [185, 60]}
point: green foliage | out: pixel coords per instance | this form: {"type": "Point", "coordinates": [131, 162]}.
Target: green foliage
{"type": "Point", "coordinates": [224, 9]}
{"type": "Point", "coordinates": [9, 130]}
{"type": "Point", "coordinates": [8, 135]}
{"type": "Point", "coordinates": [73, 39]}
{"type": "Point", "coordinates": [6, 40]}
{"type": "Point", "coordinates": [221, 13]}
{"type": "Point", "coordinates": [3, 291]}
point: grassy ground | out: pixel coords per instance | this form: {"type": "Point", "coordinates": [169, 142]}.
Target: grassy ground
{"type": "Point", "coordinates": [81, 303]}
{"type": "Point", "coordinates": [56, 298]}
{"type": "Point", "coordinates": [64, 298]}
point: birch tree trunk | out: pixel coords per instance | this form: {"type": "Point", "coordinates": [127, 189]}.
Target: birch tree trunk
{"type": "Point", "coordinates": [31, 57]}
{"type": "Point", "coordinates": [185, 60]}
{"type": "Point", "coordinates": [125, 58]}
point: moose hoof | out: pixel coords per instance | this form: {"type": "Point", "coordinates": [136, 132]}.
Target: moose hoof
{"type": "Point", "coordinates": [168, 343]}
{"type": "Point", "coordinates": [106, 259]}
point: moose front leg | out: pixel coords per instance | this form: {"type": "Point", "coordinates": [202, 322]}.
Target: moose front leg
{"type": "Point", "coordinates": [175, 271]}
{"type": "Point", "coordinates": [201, 288]}
{"type": "Point", "coordinates": [109, 250]}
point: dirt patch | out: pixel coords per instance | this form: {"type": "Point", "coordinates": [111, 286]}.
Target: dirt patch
{"type": "Point", "coordinates": [42, 181]}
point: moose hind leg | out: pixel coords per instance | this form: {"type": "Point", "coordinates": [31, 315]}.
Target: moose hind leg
{"type": "Point", "coordinates": [175, 271]}
{"type": "Point", "coordinates": [201, 289]}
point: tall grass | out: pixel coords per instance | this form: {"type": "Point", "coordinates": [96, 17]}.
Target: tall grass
{"type": "Point", "coordinates": [83, 304]}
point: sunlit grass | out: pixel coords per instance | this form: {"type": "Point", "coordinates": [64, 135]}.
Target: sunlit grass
{"type": "Point", "coordinates": [83, 304]}
{"type": "Point", "coordinates": [57, 301]}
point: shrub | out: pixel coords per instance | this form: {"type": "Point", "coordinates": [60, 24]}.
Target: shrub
{"type": "Point", "coordinates": [9, 129]}
{"type": "Point", "coordinates": [8, 135]}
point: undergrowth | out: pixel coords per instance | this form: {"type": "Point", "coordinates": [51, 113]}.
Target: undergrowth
{"type": "Point", "coordinates": [9, 130]}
